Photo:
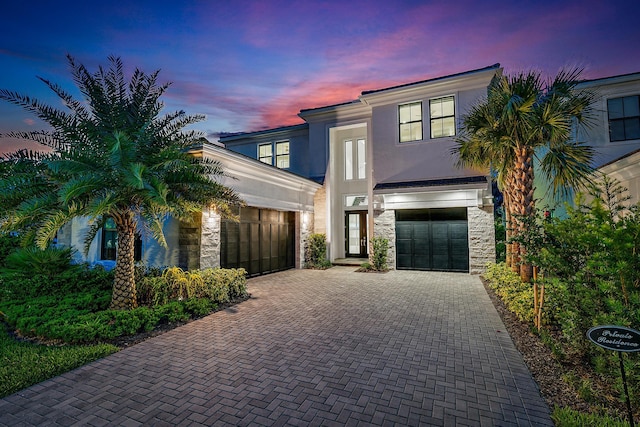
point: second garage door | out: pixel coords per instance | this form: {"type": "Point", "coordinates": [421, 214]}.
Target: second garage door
{"type": "Point", "coordinates": [432, 239]}
{"type": "Point", "coordinates": [262, 242]}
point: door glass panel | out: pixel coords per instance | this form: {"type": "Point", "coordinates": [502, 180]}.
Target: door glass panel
{"type": "Point", "coordinates": [354, 233]}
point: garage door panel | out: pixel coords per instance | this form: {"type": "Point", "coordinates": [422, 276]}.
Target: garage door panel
{"type": "Point", "coordinates": [432, 240]}
{"type": "Point", "coordinates": [262, 242]}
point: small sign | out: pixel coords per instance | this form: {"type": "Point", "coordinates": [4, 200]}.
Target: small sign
{"type": "Point", "coordinates": [616, 338]}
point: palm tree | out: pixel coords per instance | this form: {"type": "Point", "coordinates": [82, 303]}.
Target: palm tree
{"type": "Point", "coordinates": [524, 118]}
{"type": "Point", "coordinates": [111, 156]}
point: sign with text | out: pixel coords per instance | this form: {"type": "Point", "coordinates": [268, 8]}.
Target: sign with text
{"type": "Point", "coordinates": [616, 338]}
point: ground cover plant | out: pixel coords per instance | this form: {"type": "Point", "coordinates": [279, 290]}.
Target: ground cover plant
{"type": "Point", "coordinates": [51, 323]}
{"type": "Point", "coordinates": [589, 265]}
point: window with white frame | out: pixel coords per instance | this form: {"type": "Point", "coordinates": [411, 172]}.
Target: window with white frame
{"type": "Point", "coordinates": [355, 159]}
{"type": "Point", "coordinates": [442, 116]}
{"type": "Point", "coordinates": [410, 116]}
{"type": "Point", "coordinates": [624, 118]}
{"type": "Point", "coordinates": [265, 153]}
{"type": "Point", "coordinates": [282, 154]}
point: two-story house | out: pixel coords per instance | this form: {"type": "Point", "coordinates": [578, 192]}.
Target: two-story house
{"type": "Point", "coordinates": [386, 167]}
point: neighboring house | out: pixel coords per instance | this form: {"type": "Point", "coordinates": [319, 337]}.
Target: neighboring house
{"type": "Point", "coordinates": [386, 166]}
{"type": "Point", "coordinates": [616, 131]}
{"type": "Point", "coordinates": [613, 132]}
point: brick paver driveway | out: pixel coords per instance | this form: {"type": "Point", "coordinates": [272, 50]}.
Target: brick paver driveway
{"type": "Point", "coordinates": [330, 347]}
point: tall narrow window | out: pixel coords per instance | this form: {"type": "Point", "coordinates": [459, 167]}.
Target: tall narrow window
{"type": "Point", "coordinates": [348, 160]}
{"type": "Point", "coordinates": [282, 154]}
{"type": "Point", "coordinates": [265, 153]}
{"type": "Point", "coordinates": [410, 121]}
{"type": "Point", "coordinates": [443, 118]}
{"type": "Point", "coordinates": [355, 159]}
{"type": "Point", "coordinates": [624, 118]}
{"type": "Point", "coordinates": [361, 160]}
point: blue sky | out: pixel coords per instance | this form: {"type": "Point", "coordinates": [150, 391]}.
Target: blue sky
{"type": "Point", "coordinates": [250, 65]}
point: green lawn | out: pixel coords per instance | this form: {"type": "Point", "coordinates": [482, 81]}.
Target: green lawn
{"type": "Point", "coordinates": [23, 364]}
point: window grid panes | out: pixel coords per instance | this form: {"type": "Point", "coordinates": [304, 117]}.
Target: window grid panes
{"type": "Point", "coordinates": [443, 118]}
{"type": "Point", "coordinates": [282, 154]}
{"type": "Point", "coordinates": [265, 153]}
{"type": "Point", "coordinates": [624, 118]}
{"type": "Point", "coordinates": [410, 121]}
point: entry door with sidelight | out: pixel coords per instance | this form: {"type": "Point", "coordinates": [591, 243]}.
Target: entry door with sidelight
{"type": "Point", "coordinates": [356, 234]}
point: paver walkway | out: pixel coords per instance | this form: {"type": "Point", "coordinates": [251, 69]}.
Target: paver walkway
{"type": "Point", "coordinates": [330, 347]}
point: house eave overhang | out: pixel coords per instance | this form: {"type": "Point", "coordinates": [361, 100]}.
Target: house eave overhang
{"type": "Point", "coordinates": [442, 193]}
{"type": "Point", "coordinates": [260, 184]}
{"type": "Point", "coordinates": [432, 87]}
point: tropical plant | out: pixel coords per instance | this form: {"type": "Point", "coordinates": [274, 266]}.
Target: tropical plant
{"type": "Point", "coordinates": [380, 253]}
{"type": "Point", "coordinates": [112, 155]}
{"type": "Point", "coordinates": [524, 118]}
{"type": "Point", "coordinates": [315, 254]}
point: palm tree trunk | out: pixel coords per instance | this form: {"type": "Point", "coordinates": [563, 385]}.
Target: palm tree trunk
{"type": "Point", "coordinates": [124, 286]}
{"type": "Point", "coordinates": [524, 205]}
{"type": "Point", "coordinates": [508, 227]}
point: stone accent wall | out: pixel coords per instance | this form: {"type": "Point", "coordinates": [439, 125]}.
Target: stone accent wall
{"type": "Point", "coordinates": [482, 238]}
{"type": "Point", "coordinates": [384, 225]}
{"type": "Point", "coordinates": [210, 239]}
{"type": "Point", "coordinates": [304, 228]}
{"type": "Point", "coordinates": [189, 243]}
{"type": "Point", "coordinates": [320, 211]}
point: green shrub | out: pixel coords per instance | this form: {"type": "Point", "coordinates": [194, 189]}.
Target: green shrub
{"type": "Point", "coordinates": [8, 244]}
{"type": "Point", "coordinates": [216, 284]}
{"type": "Point", "coordinates": [43, 262]}
{"type": "Point", "coordinates": [315, 254]}
{"type": "Point", "coordinates": [380, 253]}
{"type": "Point", "coordinates": [517, 296]}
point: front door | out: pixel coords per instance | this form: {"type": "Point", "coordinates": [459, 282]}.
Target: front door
{"type": "Point", "coordinates": [356, 234]}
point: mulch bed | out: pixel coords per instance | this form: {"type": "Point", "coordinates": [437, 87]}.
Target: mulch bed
{"type": "Point", "coordinates": [548, 372]}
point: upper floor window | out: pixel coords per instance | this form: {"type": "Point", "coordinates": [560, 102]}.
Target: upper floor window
{"type": "Point", "coordinates": [282, 154]}
{"type": "Point", "coordinates": [624, 118]}
{"type": "Point", "coordinates": [265, 153]}
{"type": "Point", "coordinates": [410, 121]}
{"type": "Point", "coordinates": [443, 118]}
{"type": "Point", "coordinates": [354, 159]}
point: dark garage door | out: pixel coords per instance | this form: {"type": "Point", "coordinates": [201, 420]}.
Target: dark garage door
{"type": "Point", "coordinates": [262, 242]}
{"type": "Point", "coordinates": [432, 239]}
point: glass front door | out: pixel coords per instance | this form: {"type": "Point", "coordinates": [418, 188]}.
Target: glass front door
{"type": "Point", "coordinates": [356, 234]}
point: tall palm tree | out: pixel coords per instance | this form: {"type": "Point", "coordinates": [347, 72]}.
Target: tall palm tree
{"type": "Point", "coordinates": [111, 156]}
{"type": "Point", "coordinates": [525, 118]}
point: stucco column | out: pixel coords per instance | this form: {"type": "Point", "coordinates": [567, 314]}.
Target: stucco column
{"type": "Point", "coordinates": [304, 228]}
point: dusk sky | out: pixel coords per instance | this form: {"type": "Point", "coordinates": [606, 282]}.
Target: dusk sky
{"type": "Point", "coordinates": [251, 65]}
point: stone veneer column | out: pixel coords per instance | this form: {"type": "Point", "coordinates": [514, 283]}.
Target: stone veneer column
{"type": "Point", "coordinates": [320, 211]}
{"type": "Point", "coordinates": [210, 239]}
{"type": "Point", "coordinates": [384, 225]}
{"type": "Point", "coordinates": [189, 243]}
{"type": "Point", "coordinates": [482, 238]}
{"type": "Point", "coordinates": [304, 228]}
